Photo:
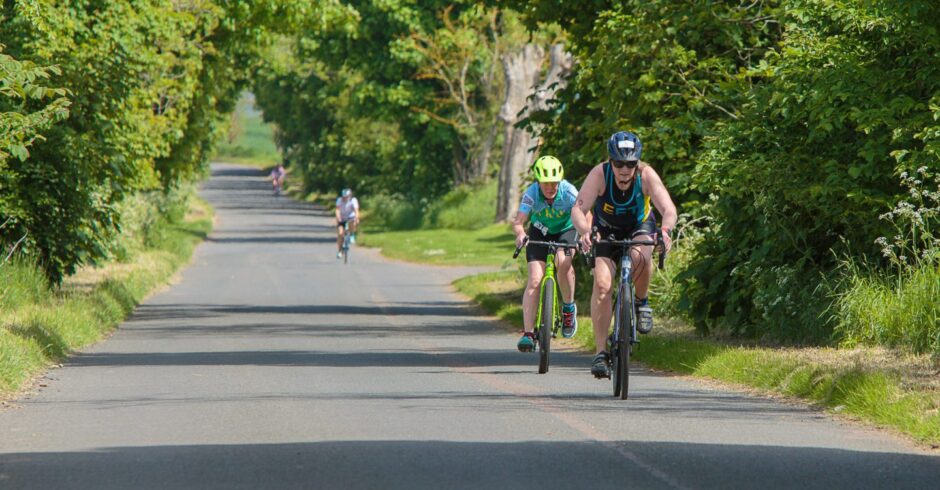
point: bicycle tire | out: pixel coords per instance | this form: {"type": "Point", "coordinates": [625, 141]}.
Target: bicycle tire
{"type": "Point", "coordinates": [625, 346]}
{"type": "Point", "coordinates": [547, 321]}
{"type": "Point", "coordinates": [615, 352]}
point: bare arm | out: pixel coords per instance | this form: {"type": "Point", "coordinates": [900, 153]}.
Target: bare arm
{"type": "Point", "coordinates": [580, 213]}
{"type": "Point", "coordinates": [653, 187]}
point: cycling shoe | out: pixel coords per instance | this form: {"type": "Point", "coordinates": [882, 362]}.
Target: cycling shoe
{"type": "Point", "coordinates": [600, 367]}
{"type": "Point", "coordinates": [569, 322]}
{"type": "Point", "coordinates": [644, 318]}
{"type": "Point", "coordinates": [526, 342]}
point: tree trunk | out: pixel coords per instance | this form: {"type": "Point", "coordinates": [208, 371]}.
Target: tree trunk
{"type": "Point", "coordinates": [522, 74]}
{"type": "Point", "coordinates": [521, 71]}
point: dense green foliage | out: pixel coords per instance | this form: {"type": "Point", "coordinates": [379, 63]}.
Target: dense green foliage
{"type": "Point", "coordinates": [147, 83]}
{"type": "Point", "coordinates": [391, 98]}
{"type": "Point", "coordinates": [850, 99]}
{"type": "Point", "coordinates": [783, 122]}
{"type": "Point", "coordinates": [668, 71]}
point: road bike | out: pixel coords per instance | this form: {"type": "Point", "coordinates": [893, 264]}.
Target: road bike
{"type": "Point", "coordinates": [624, 336]}
{"type": "Point", "coordinates": [277, 182]}
{"type": "Point", "coordinates": [347, 242]}
{"type": "Point", "coordinates": [548, 320]}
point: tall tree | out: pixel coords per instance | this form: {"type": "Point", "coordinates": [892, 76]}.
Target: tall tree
{"type": "Point", "coordinates": [525, 96]}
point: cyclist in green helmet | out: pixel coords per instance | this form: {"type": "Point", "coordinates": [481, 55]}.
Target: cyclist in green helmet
{"type": "Point", "coordinates": [547, 204]}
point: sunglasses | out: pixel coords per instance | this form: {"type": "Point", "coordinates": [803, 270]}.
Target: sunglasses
{"type": "Point", "coordinates": [624, 163]}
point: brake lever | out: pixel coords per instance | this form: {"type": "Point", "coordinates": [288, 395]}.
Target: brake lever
{"type": "Point", "coordinates": [519, 248]}
{"type": "Point", "coordinates": [662, 248]}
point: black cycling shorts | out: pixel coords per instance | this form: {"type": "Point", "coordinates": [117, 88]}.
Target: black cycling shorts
{"type": "Point", "coordinates": [540, 252]}
{"type": "Point", "coordinates": [614, 253]}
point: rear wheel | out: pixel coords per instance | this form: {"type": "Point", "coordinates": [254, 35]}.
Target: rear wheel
{"type": "Point", "coordinates": [546, 324]}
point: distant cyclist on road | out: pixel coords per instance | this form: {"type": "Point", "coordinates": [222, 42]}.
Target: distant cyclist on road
{"type": "Point", "coordinates": [347, 210]}
{"type": "Point", "coordinates": [277, 176]}
{"type": "Point", "coordinates": [619, 192]}
{"type": "Point", "coordinates": [547, 202]}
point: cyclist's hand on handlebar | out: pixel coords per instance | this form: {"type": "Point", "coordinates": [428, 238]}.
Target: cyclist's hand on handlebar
{"type": "Point", "coordinates": [520, 240]}
{"type": "Point", "coordinates": [667, 241]}
{"type": "Point", "coordinates": [585, 241]}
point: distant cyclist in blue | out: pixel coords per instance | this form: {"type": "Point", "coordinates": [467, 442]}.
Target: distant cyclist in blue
{"type": "Point", "coordinates": [547, 204]}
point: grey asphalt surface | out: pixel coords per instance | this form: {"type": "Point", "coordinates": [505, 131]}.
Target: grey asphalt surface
{"type": "Point", "coordinates": [270, 364]}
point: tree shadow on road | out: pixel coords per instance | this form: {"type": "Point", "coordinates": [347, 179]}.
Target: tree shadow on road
{"type": "Point", "coordinates": [410, 464]}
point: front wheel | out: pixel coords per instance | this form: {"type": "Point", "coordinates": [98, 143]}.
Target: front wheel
{"type": "Point", "coordinates": [623, 347]}
{"type": "Point", "coordinates": [546, 324]}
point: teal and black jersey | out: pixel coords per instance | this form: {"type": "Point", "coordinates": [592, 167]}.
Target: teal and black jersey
{"type": "Point", "coordinates": [554, 217]}
{"type": "Point", "coordinates": [618, 209]}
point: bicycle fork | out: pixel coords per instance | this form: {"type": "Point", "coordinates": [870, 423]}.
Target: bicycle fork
{"type": "Point", "coordinates": [626, 289]}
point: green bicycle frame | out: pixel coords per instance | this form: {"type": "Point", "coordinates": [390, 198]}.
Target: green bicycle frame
{"type": "Point", "coordinates": [555, 306]}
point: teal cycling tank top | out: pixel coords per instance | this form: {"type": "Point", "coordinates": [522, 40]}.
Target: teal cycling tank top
{"type": "Point", "coordinates": [621, 209]}
{"type": "Point", "coordinates": [550, 218]}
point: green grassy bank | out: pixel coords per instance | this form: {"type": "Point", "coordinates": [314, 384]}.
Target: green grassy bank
{"type": "Point", "coordinates": [40, 326]}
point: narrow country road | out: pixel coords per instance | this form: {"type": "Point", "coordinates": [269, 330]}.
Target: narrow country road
{"type": "Point", "coordinates": [272, 365]}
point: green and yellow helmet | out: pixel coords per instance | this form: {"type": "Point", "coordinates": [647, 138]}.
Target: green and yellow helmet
{"type": "Point", "coordinates": [548, 169]}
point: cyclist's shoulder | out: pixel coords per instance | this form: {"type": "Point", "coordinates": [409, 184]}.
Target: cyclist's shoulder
{"type": "Point", "coordinates": [567, 188]}
{"type": "Point", "coordinates": [531, 194]}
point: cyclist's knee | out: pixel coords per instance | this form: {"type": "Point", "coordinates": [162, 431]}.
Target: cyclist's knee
{"type": "Point", "coordinates": [601, 286]}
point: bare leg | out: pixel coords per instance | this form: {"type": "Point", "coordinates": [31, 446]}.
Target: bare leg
{"type": "Point", "coordinates": [642, 269]}
{"type": "Point", "coordinates": [566, 278]}
{"type": "Point", "coordinates": [601, 301]}
{"type": "Point", "coordinates": [530, 298]}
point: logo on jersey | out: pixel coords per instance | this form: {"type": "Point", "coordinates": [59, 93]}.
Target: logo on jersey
{"type": "Point", "coordinates": [614, 210]}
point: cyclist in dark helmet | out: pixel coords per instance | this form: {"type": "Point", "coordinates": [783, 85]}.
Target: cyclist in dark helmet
{"type": "Point", "coordinates": [619, 192]}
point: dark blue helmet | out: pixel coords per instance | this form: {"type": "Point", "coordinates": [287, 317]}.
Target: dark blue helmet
{"type": "Point", "coordinates": [624, 146]}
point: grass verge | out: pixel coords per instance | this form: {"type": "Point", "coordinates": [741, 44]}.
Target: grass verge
{"type": "Point", "coordinates": [492, 245]}
{"type": "Point", "coordinates": [40, 326]}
